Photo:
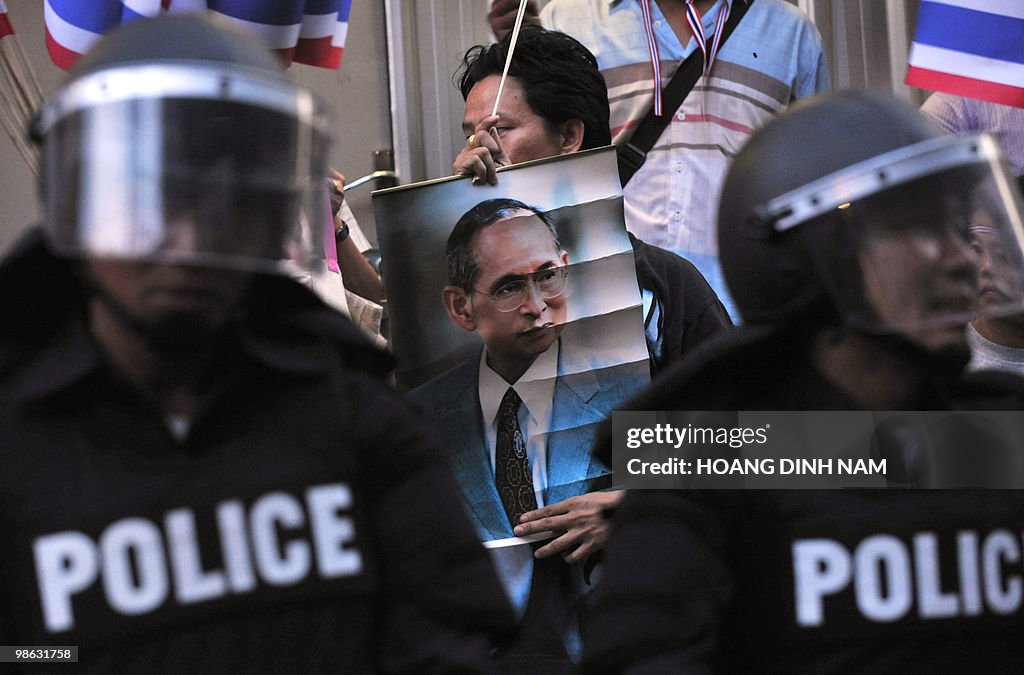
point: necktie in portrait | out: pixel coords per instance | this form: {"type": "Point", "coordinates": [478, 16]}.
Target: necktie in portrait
{"type": "Point", "coordinates": [512, 475]}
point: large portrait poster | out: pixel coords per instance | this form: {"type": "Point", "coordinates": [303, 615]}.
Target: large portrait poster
{"type": "Point", "coordinates": [529, 287]}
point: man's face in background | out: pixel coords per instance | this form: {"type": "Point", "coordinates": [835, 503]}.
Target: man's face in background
{"type": "Point", "coordinates": [999, 276]}
{"type": "Point", "coordinates": [524, 134]}
{"type": "Point", "coordinates": [1000, 285]}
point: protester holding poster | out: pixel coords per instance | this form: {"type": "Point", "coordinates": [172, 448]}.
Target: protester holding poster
{"type": "Point", "coordinates": [556, 102]}
{"type": "Point", "coordinates": [516, 312]}
{"type": "Point", "coordinates": [773, 57]}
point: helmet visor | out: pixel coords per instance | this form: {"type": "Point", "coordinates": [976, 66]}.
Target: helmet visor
{"type": "Point", "coordinates": [213, 182]}
{"type": "Point", "coordinates": [924, 257]}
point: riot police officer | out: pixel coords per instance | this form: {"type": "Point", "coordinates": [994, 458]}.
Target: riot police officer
{"type": "Point", "coordinates": [846, 240]}
{"type": "Point", "coordinates": [202, 466]}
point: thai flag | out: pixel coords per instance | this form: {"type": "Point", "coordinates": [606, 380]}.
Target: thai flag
{"type": "Point", "coordinates": [323, 32]}
{"type": "Point", "coordinates": [972, 48]}
{"type": "Point", "coordinates": [5, 24]}
{"type": "Point", "coordinates": [307, 31]}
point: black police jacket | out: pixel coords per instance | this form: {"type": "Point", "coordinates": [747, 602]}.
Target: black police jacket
{"type": "Point", "coordinates": [801, 580]}
{"type": "Point", "coordinates": [303, 524]}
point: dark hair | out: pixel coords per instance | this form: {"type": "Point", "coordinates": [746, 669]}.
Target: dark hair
{"type": "Point", "coordinates": [558, 74]}
{"type": "Point", "coordinates": [463, 263]}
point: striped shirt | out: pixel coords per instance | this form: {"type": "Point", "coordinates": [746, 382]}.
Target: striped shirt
{"type": "Point", "coordinates": [773, 56]}
{"type": "Point", "coordinates": [959, 115]}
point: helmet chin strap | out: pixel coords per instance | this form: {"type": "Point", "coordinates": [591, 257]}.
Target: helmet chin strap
{"type": "Point", "coordinates": [115, 306]}
{"type": "Point", "coordinates": [178, 334]}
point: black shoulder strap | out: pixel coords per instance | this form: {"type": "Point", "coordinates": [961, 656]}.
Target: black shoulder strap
{"type": "Point", "coordinates": [632, 154]}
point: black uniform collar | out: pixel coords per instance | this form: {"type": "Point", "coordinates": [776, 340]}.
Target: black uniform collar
{"type": "Point", "coordinates": [73, 355]}
{"type": "Point", "coordinates": [288, 329]}
{"type": "Point", "coordinates": [66, 359]}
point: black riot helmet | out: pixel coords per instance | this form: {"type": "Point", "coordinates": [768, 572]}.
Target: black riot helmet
{"type": "Point", "coordinates": [851, 206]}
{"type": "Point", "coordinates": [181, 140]}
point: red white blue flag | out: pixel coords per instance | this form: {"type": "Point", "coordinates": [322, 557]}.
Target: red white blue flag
{"type": "Point", "coordinates": [305, 31]}
{"type": "Point", "coordinates": [5, 24]}
{"type": "Point", "coordinates": [972, 48]}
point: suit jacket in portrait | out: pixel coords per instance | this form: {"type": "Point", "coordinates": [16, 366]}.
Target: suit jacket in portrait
{"type": "Point", "coordinates": [584, 395]}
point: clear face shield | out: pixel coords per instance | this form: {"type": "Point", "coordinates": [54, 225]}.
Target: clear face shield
{"type": "Point", "coordinates": [919, 241]}
{"type": "Point", "coordinates": [186, 164]}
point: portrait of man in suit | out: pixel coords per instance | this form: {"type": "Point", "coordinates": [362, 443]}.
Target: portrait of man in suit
{"type": "Point", "coordinates": [518, 417]}
{"type": "Point", "coordinates": [517, 325]}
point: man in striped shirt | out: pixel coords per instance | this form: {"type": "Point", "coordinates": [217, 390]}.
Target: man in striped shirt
{"type": "Point", "coordinates": [773, 57]}
{"type": "Point", "coordinates": [960, 115]}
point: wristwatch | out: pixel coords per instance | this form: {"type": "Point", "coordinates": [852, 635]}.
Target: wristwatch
{"type": "Point", "coordinates": [342, 232]}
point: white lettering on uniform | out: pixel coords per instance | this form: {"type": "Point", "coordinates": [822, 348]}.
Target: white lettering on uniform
{"type": "Point", "coordinates": [276, 568]}
{"type": "Point", "coordinates": [191, 584]}
{"type": "Point", "coordinates": [235, 545]}
{"type": "Point", "coordinates": [136, 572]}
{"type": "Point", "coordinates": [970, 581]}
{"type": "Point", "coordinates": [876, 556]}
{"type": "Point", "coordinates": [125, 540]}
{"type": "Point", "coordinates": [998, 547]}
{"type": "Point", "coordinates": [331, 531]}
{"type": "Point", "coordinates": [820, 567]}
{"type": "Point", "coordinates": [932, 603]}
{"type": "Point", "coordinates": [885, 589]}
{"type": "Point", "coordinates": [66, 563]}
